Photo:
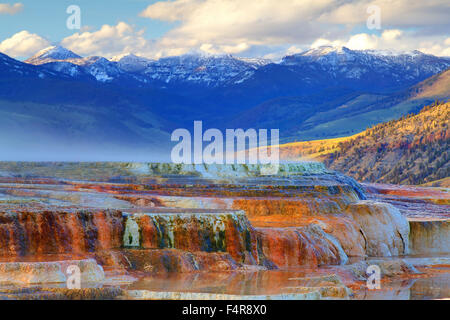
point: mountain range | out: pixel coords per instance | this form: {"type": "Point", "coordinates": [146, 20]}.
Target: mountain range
{"type": "Point", "coordinates": [126, 107]}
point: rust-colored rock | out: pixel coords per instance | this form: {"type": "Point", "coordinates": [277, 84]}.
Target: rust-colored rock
{"type": "Point", "coordinates": [194, 232]}
{"type": "Point", "coordinates": [178, 261]}
{"type": "Point", "coordinates": [307, 246]}
{"type": "Point", "coordinates": [37, 233]}
{"type": "Point", "coordinates": [432, 236]}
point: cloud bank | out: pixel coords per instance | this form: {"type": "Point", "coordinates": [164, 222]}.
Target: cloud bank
{"type": "Point", "coordinates": [270, 28]}
{"type": "Point", "coordinates": [109, 41]}
{"type": "Point", "coordinates": [23, 44]}
{"type": "Point", "coordinates": [234, 26]}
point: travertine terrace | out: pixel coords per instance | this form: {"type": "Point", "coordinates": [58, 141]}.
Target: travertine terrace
{"type": "Point", "coordinates": [304, 233]}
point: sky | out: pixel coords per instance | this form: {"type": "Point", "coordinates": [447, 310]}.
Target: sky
{"type": "Point", "coordinates": [246, 28]}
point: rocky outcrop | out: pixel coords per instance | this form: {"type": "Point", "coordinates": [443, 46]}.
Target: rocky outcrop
{"type": "Point", "coordinates": [429, 236]}
{"type": "Point", "coordinates": [306, 246]}
{"type": "Point", "coordinates": [384, 229]}
{"type": "Point", "coordinates": [193, 232]}
{"type": "Point", "coordinates": [37, 293]}
{"type": "Point", "coordinates": [49, 272]}
{"type": "Point", "coordinates": [233, 233]}
{"type": "Point", "coordinates": [178, 261]}
{"type": "Point", "coordinates": [169, 222]}
{"type": "Point", "coordinates": [228, 237]}
{"type": "Point", "coordinates": [57, 231]}
{"type": "Point", "coordinates": [201, 232]}
{"type": "Point", "coordinates": [388, 268]}
{"type": "Point", "coordinates": [307, 217]}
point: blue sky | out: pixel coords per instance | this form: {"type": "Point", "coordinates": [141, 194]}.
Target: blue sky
{"type": "Point", "coordinates": [48, 17]}
{"type": "Point", "coordinates": [252, 28]}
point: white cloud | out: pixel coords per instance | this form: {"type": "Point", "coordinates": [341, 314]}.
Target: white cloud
{"type": "Point", "coordinates": [171, 11]}
{"type": "Point", "coordinates": [234, 26]}
{"type": "Point", "coordinates": [325, 42]}
{"type": "Point", "coordinates": [109, 41]}
{"type": "Point", "coordinates": [362, 41]}
{"type": "Point", "coordinates": [231, 49]}
{"type": "Point", "coordinates": [392, 34]}
{"type": "Point", "coordinates": [6, 8]}
{"type": "Point", "coordinates": [434, 47]}
{"type": "Point", "coordinates": [23, 44]}
{"type": "Point", "coordinates": [394, 40]}
{"type": "Point", "coordinates": [123, 38]}
{"type": "Point", "coordinates": [446, 52]}
{"type": "Point", "coordinates": [405, 13]}
{"type": "Point", "coordinates": [269, 28]}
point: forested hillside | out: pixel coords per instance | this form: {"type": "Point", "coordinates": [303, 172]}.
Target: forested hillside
{"type": "Point", "coordinates": [411, 150]}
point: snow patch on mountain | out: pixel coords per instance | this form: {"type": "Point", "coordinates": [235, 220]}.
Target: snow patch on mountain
{"type": "Point", "coordinates": [355, 64]}
{"type": "Point", "coordinates": [52, 54]}
{"type": "Point", "coordinates": [194, 68]}
{"type": "Point", "coordinates": [209, 70]}
{"type": "Point", "coordinates": [65, 61]}
{"type": "Point", "coordinates": [132, 63]}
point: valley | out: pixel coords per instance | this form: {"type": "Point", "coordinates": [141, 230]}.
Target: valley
{"type": "Point", "coordinates": [321, 93]}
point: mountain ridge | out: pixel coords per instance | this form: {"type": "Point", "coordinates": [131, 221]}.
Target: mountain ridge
{"type": "Point", "coordinates": [217, 70]}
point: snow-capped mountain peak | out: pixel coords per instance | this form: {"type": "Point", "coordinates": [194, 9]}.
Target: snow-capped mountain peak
{"type": "Point", "coordinates": [132, 63]}
{"type": "Point", "coordinates": [129, 57]}
{"type": "Point", "coordinates": [50, 54]}
{"type": "Point", "coordinates": [57, 58]}
{"type": "Point", "coordinates": [210, 70]}
{"type": "Point", "coordinates": [325, 50]}
{"type": "Point", "coordinates": [197, 68]}
{"type": "Point", "coordinates": [257, 62]}
{"type": "Point", "coordinates": [354, 65]}
{"type": "Point", "coordinates": [202, 68]}
{"type": "Point", "coordinates": [330, 53]}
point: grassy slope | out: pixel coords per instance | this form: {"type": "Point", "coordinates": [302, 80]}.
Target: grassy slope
{"type": "Point", "coordinates": [368, 110]}
{"type": "Point", "coordinates": [443, 183]}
